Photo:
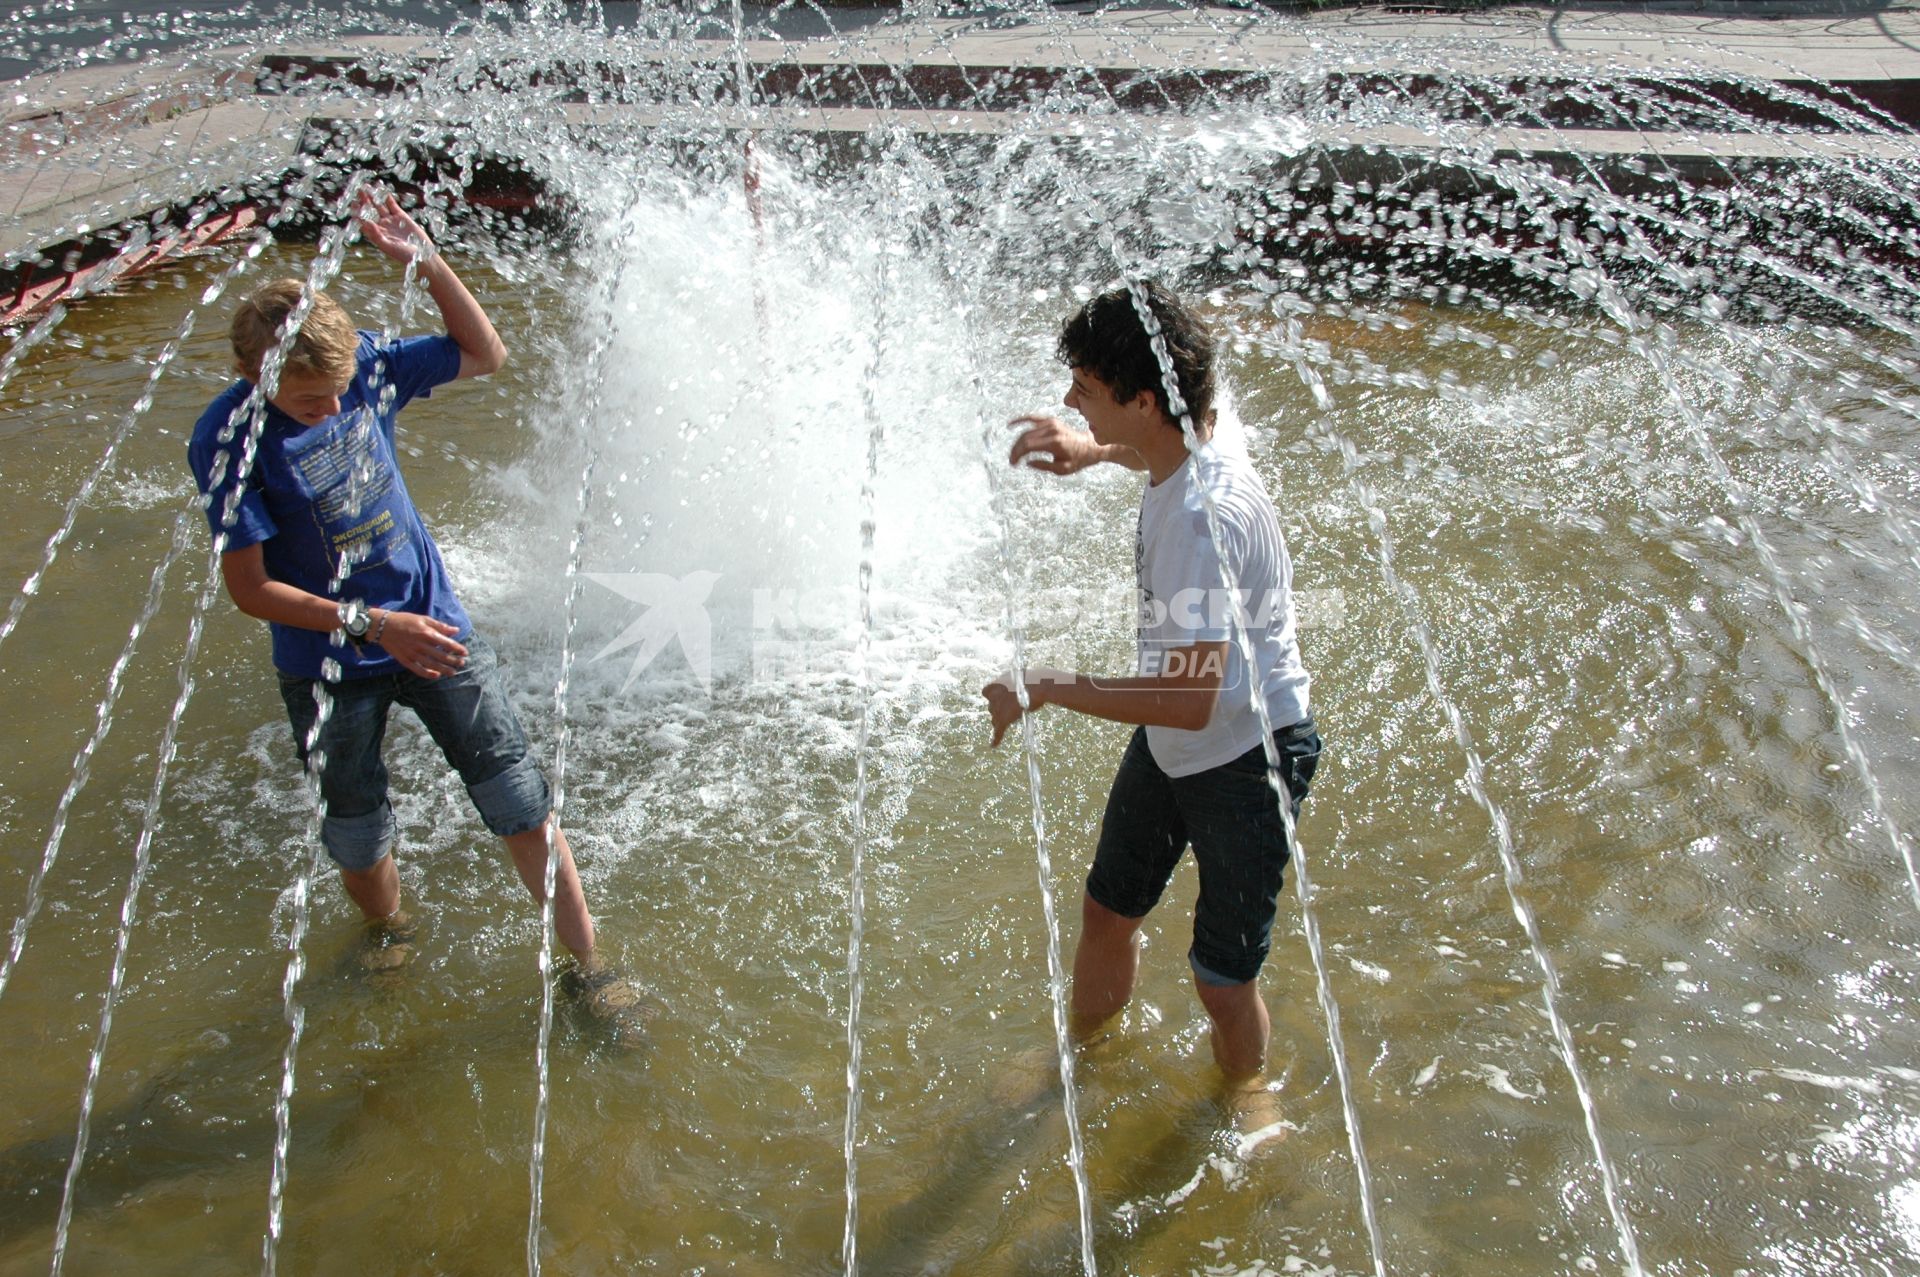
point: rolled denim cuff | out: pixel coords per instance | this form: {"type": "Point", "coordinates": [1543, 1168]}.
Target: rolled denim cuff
{"type": "Point", "coordinates": [515, 801]}
{"type": "Point", "coordinates": [357, 843]}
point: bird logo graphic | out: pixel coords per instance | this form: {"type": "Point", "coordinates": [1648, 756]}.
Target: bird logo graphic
{"type": "Point", "coordinates": [676, 608]}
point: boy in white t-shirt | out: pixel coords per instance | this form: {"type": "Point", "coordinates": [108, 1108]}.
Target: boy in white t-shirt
{"type": "Point", "coordinates": [1195, 772]}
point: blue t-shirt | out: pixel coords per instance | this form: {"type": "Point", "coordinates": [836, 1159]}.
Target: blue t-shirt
{"type": "Point", "coordinates": [315, 493]}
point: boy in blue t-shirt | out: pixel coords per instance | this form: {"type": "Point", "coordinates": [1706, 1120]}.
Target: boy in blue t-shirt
{"type": "Point", "coordinates": [320, 539]}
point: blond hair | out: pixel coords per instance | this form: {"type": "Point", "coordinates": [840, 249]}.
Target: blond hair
{"type": "Point", "coordinates": [326, 344]}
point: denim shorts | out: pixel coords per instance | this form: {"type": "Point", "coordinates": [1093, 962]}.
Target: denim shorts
{"type": "Point", "coordinates": [1231, 817]}
{"type": "Point", "coordinates": [469, 717]}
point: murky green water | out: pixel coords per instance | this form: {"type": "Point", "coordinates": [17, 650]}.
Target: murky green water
{"type": "Point", "coordinates": [1733, 935]}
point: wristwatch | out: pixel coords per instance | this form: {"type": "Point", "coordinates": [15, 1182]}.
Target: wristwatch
{"type": "Point", "coordinates": [355, 619]}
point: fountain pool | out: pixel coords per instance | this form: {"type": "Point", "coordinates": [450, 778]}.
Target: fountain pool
{"type": "Point", "coordinates": [1605, 469]}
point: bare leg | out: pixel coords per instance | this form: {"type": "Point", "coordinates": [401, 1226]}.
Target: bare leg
{"type": "Point", "coordinates": [375, 890]}
{"type": "Point", "coordinates": [1104, 966]}
{"type": "Point", "coordinates": [1240, 1028]}
{"type": "Point", "coordinates": [571, 921]}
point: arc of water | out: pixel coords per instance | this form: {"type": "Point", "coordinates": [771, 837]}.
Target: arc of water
{"type": "Point", "coordinates": [1504, 843]}
{"type": "Point", "coordinates": [1242, 631]}
{"type": "Point", "coordinates": [82, 763]}
{"type": "Point", "coordinates": [1796, 614]}
{"type": "Point", "coordinates": [136, 92]}
{"type": "Point", "coordinates": [100, 469]}
{"type": "Point", "coordinates": [1510, 863]}
{"type": "Point", "coordinates": [1652, 342]}
{"type": "Point", "coordinates": [1076, 1158]}
{"type": "Point", "coordinates": [1627, 215]}
{"type": "Point", "coordinates": [863, 649]}
{"type": "Point", "coordinates": [142, 851]}
{"type": "Point", "coordinates": [103, 723]}
{"type": "Point", "coordinates": [30, 340]}
{"type": "Point", "coordinates": [1056, 968]}
{"type": "Point", "coordinates": [1799, 90]}
{"type": "Point", "coordinates": [1328, 1004]}
{"type": "Point", "coordinates": [1897, 523]}
{"type": "Point", "coordinates": [1630, 213]}
{"type": "Point", "coordinates": [1870, 304]}
{"type": "Point", "coordinates": [325, 266]}
{"type": "Point", "coordinates": [295, 1012]}
{"type": "Point", "coordinates": [1860, 483]}
{"type": "Point", "coordinates": [1077, 1154]}
{"type": "Point", "coordinates": [258, 149]}
{"type": "Point", "coordinates": [97, 281]}
{"type": "Point", "coordinates": [536, 1157]}
{"type": "Point", "coordinates": [104, 713]}
{"type": "Point", "coordinates": [596, 358]}
{"type": "Point", "coordinates": [1656, 352]}
{"type": "Point", "coordinates": [394, 140]}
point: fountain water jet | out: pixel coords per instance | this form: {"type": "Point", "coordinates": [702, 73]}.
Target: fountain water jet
{"type": "Point", "coordinates": [1242, 637]}
{"type": "Point", "coordinates": [326, 265]}
{"type": "Point", "coordinates": [1131, 272]}
{"type": "Point", "coordinates": [536, 1157]}
{"type": "Point", "coordinates": [1509, 858]}
{"type": "Point", "coordinates": [863, 650]}
{"type": "Point", "coordinates": [1056, 968]}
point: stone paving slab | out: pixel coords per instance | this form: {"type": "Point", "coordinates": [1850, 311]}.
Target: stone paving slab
{"type": "Point", "coordinates": [83, 189]}
{"type": "Point", "coordinates": [90, 148]}
{"type": "Point", "coordinates": [1688, 149]}
{"type": "Point", "coordinates": [1836, 47]}
{"type": "Point", "coordinates": [1883, 44]}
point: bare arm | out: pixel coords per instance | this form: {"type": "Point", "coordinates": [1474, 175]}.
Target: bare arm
{"type": "Point", "coordinates": [420, 643]}
{"type": "Point", "coordinates": [1183, 697]}
{"type": "Point", "coordinates": [481, 350]}
{"type": "Point", "coordinates": [389, 229]}
{"type": "Point", "coordinates": [1050, 444]}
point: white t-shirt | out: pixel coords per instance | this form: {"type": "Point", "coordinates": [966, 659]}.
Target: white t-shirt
{"type": "Point", "coordinates": [1184, 600]}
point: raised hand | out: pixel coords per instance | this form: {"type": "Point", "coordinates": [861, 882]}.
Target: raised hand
{"type": "Point", "coordinates": [388, 228]}
{"type": "Point", "coordinates": [1050, 444]}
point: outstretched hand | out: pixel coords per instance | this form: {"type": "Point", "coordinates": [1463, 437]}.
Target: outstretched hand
{"type": "Point", "coordinates": [390, 229]}
{"type": "Point", "coordinates": [1050, 444]}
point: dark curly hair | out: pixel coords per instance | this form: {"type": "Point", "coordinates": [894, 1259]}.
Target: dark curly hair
{"type": "Point", "coordinates": [1105, 337]}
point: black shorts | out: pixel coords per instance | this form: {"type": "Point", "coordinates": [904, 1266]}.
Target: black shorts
{"type": "Point", "coordinates": [1231, 817]}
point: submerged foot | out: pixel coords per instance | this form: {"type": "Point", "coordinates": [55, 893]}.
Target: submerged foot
{"type": "Point", "coordinates": [386, 947]}
{"type": "Point", "coordinates": [1254, 1115]}
{"type": "Point", "coordinates": [612, 999]}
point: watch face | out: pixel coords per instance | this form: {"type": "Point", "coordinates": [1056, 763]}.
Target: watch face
{"type": "Point", "coordinates": [355, 619]}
